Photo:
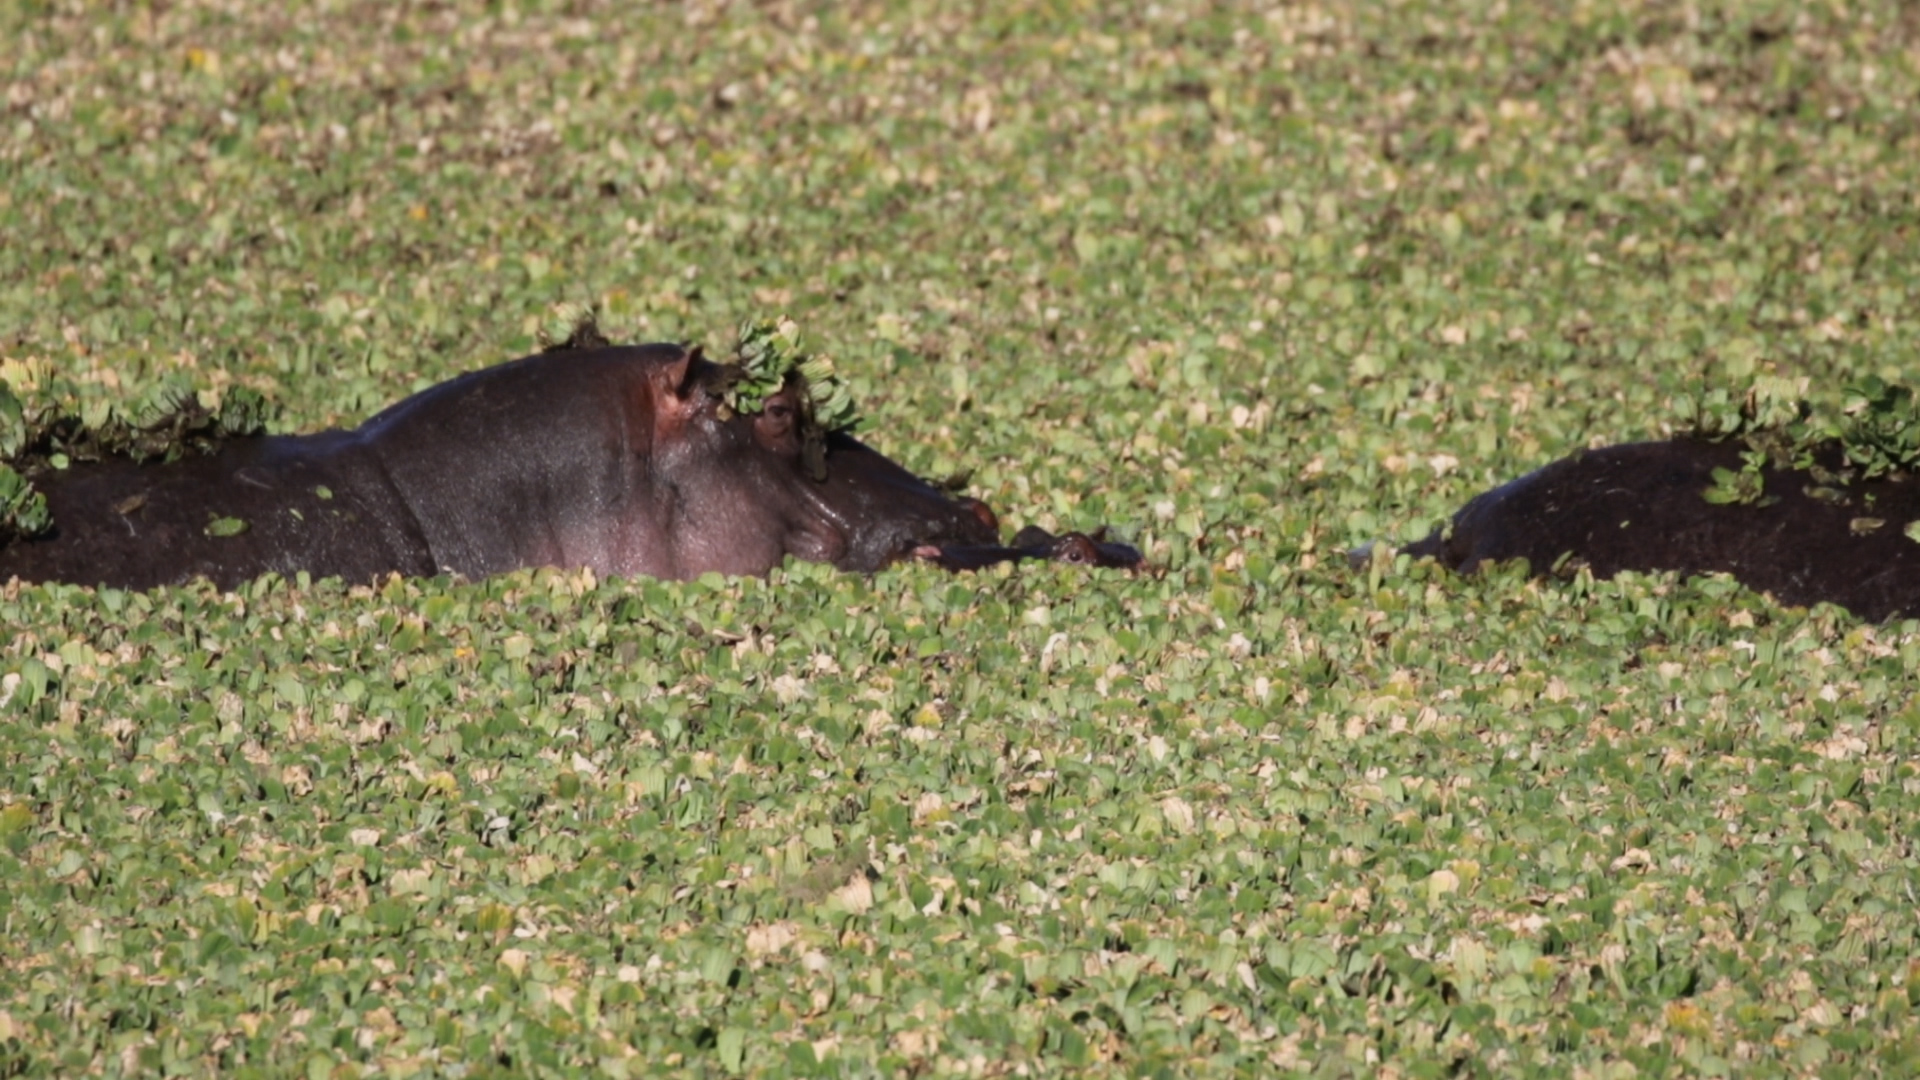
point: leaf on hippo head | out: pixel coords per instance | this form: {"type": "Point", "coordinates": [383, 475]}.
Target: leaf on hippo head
{"type": "Point", "coordinates": [832, 400]}
{"type": "Point", "coordinates": [226, 526]}
{"type": "Point", "coordinates": [766, 352]}
{"type": "Point", "coordinates": [768, 355]}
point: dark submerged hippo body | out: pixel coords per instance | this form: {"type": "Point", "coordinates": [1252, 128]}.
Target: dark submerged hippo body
{"type": "Point", "coordinates": [617, 459]}
{"type": "Point", "coordinates": [1639, 507]}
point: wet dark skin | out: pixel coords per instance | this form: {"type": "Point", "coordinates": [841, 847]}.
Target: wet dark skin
{"type": "Point", "coordinates": [1639, 507]}
{"type": "Point", "coordinates": [623, 460]}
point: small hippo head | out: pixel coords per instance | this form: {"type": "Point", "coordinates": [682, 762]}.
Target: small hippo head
{"type": "Point", "coordinates": [749, 488]}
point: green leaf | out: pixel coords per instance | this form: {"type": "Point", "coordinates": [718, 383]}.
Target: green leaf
{"type": "Point", "coordinates": [768, 355]}
{"type": "Point", "coordinates": [13, 423]}
{"type": "Point", "coordinates": [732, 1046]}
{"type": "Point", "coordinates": [243, 412]}
{"type": "Point", "coordinates": [1744, 486]}
{"type": "Point", "coordinates": [23, 511]}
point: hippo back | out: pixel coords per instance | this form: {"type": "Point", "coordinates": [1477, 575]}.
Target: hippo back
{"type": "Point", "coordinates": [1641, 506]}
{"type": "Point", "coordinates": [280, 504]}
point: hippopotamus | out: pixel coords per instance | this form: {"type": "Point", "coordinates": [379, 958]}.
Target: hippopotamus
{"type": "Point", "coordinates": [623, 459]}
{"type": "Point", "coordinates": [1808, 536]}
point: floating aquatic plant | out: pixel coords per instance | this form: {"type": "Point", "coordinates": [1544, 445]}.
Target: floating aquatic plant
{"type": "Point", "coordinates": [571, 325]}
{"type": "Point", "coordinates": [1772, 415]}
{"type": "Point", "coordinates": [23, 511]}
{"type": "Point", "coordinates": [1882, 432]}
{"type": "Point", "coordinates": [58, 428]}
{"type": "Point", "coordinates": [1878, 432]}
{"type": "Point", "coordinates": [1745, 486]}
{"type": "Point", "coordinates": [768, 354]}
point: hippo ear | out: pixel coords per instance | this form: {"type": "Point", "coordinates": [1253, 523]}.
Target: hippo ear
{"type": "Point", "coordinates": [671, 398]}
{"type": "Point", "coordinates": [696, 358]}
{"type": "Point", "coordinates": [673, 380]}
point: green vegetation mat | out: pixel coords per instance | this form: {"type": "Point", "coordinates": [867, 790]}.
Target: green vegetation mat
{"type": "Point", "coordinates": [1251, 284]}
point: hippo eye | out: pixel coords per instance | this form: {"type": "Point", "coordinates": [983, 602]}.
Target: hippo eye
{"type": "Point", "coordinates": [775, 423]}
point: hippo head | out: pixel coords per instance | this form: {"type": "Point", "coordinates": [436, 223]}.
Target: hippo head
{"type": "Point", "coordinates": [749, 490]}
{"type": "Point", "coordinates": [896, 514]}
